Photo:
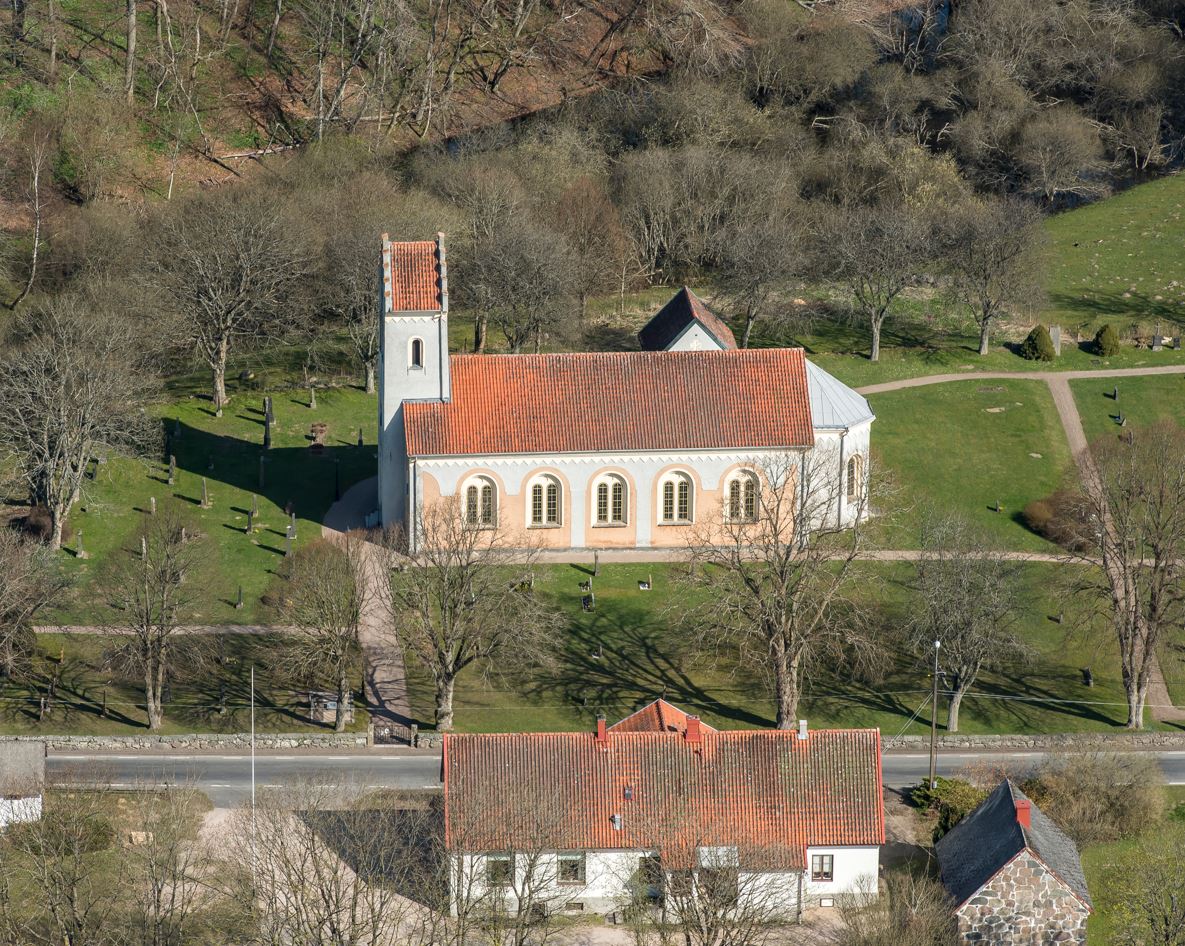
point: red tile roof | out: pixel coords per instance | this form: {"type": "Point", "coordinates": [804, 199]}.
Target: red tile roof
{"type": "Point", "coordinates": [413, 277]}
{"type": "Point", "coordinates": [602, 402]}
{"type": "Point", "coordinates": [767, 793]}
{"type": "Point", "coordinates": [659, 716]}
{"type": "Point", "coordinates": [673, 318]}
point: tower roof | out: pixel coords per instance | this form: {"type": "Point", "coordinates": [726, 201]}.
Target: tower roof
{"type": "Point", "coordinates": [414, 276]}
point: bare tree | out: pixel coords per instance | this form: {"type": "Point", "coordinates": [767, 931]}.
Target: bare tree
{"type": "Point", "coordinates": [465, 596]}
{"type": "Point", "coordinates": [912, 910]}
{"type": "Point", "coordinates": [32, 581]}
{"type": "Point", "coordinates": [74, 387]}
{"type": "Point", "coordinates": [38, 150]}
{"type": "Point", "coordinates": [229, 264]}
{"type": "Point", "coordinates": [878, 252]}
{"type": "Point", "coordinates": [1130, 518]}
{"type": "Point", "coordinates": [966, 600]}
{"type": "Point", "coordinates": [589, 221]}
{"type": "Point", "coordinates": [993, 259]}
{"type": "Point", "coordinates": [778, 573]}
{"type": "Point", "coordinates": [153, 594]}
{"type": "Point", "coordinates": [129, 67]}
{"type": "Point", "coordinates": [324, 594]}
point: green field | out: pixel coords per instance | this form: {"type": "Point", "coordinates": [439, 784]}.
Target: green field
{"type": "Point", "coordinates": [225, 451]}
{"type": "Point", "coordinates": [1143, 401]}
{"type": "Point", "coordinates": [961, 447]}
{"type": "Point", "coordinates": [633, 649]}
{"type": "Point", "coordinates": [211, 690]}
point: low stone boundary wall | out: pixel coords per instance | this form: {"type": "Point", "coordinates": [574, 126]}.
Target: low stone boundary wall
{"type": "Point", "coordinates": [199, 741]}
{"type": "Point", "coordinates": [1046, 742]}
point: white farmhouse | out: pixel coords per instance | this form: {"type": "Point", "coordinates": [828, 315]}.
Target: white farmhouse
{"type": "Point", "coordinates": [583, 821]}
{"type": "Point", "coordinates": [604, 450]}
{"type": "Point", "coordinates": [22, 780]}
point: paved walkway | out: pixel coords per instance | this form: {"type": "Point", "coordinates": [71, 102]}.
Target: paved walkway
{"type": "Point", "coordinates": [1159, 703]}
{"type": "Point", "coordinates": [385, 677]}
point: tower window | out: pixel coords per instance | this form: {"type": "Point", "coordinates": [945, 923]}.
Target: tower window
{"type": "Point", "coordinates": [416, 359]}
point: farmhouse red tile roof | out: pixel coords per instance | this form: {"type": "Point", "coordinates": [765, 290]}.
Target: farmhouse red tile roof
{"type": "Point", "coordinates": [602, 402]}
{"type": "Point", "coordinates": [659, 716]}
{"type": "Point", "coordinates": [412, 276]}
{"type": "Point", "coordinates": [767, 793]}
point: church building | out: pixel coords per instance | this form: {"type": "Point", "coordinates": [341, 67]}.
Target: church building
{"type": "Point", "coordinates": [599, 450]}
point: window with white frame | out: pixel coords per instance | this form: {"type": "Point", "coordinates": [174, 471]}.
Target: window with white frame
{"type": "Point", "coordinates": [610, 497]}
{"type": "Point", "coordinates": [415, 356]}
{"type": "Point", "coordinates": [499, 869]}
{"type": "Point", "coordinates": [855, 477]}
{"type": "Point", "coordinates": [676, 498]}
{"type": "Point", "coordinates": [545, 495]}
{"type": "Point", "coordinates": [570, 867]}
{"type": "Point", "coordinates": [741, 497]}
{"type": "Point", "coordinates": [481, 503]}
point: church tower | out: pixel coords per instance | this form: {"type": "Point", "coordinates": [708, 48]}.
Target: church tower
{"type": "Point", "coordinates": [413, 356]}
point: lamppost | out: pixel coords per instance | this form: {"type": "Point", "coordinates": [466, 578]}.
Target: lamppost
{"type": "Point", "coordinates": [934, 721]}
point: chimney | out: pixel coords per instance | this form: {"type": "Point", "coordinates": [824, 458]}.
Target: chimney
{"type": "Point", "coordinates": [802, 729]}
{"type": "Point", "coordinates": [602, 731]}
{"type": "Point", "coordinates": [693, 734]}
{"type": "Point", "coordinates": [1024, 812]}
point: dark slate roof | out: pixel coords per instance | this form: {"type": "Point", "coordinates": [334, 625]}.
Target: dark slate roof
{"type": "Point", "coordinates": [988, 838]}
{"type": "Point", "coordinates": [674, 318]}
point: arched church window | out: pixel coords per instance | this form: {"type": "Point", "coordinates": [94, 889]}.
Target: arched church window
{"type": "Point", "coordinates": [741, 497]}
{"type": "Point", "coordinates": [416, 358]}
{"type": "Point", "coordinates": [855, 477]}
{"type": "Point", "coordinates": [610, 500]}
{"type": "Point", "coordinates": [481, 503]}
{"type": "Point", "coordinates": [677, 505]}
{"type": "Point", "coordinates": [546, 494]}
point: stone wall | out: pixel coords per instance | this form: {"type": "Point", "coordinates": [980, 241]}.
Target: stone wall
{"type": "Point", "coordinates": [1023, 905]}
{"type": "Point", "coordinates": [1046, 742]}
{"type": "Point", "coordinates": [228, 741]}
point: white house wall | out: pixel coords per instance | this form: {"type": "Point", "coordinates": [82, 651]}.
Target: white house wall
{"type": "Point", "coordinates": [19, 810]}
{"type": "Point", "coordinates": [855, 870]}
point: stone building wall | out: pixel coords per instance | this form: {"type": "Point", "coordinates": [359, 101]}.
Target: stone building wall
{"type": "Point", "coordinates": [1023, 905]}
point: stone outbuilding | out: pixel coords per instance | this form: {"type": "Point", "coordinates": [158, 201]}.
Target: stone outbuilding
{"type": "Point", "coordinates": [1015, 877]}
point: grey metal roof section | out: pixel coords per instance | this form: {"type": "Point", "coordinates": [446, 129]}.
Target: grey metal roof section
{"type": "Point", "coordinates": [22, 766]}
{"type": "Point", "coordinates": [833, 404]}
{"type": "Point", "coordinates": [988, 838]}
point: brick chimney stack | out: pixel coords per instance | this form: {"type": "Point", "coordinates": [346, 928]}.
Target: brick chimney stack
{"type": "Point", "coordinates": [602, 732]}
{"type": "Point", "coordinates": [693, 734]}
{"type": "Point", "coordinates": [1024, 812]}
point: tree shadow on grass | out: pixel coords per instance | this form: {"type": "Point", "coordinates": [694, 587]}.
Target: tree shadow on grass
{"type": "Point", "coordinates": [1136, 306]}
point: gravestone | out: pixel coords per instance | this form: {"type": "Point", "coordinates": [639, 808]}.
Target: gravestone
{"type": "Point", "coordinates": [172, 469]}
{"type": "Point", "coordinates": [205, 495]}
{"type": "Point", "coordinates": [152, 505]}
{"type": "Point", "coordinates": [1055, 335]}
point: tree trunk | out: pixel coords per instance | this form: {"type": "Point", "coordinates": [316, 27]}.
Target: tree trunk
{"type": "Point", "coordinates": [785, 688]}
{"type": "Point", "coordinates": [952, 713]}
{"type": "Point", "coordinates": [152, 697]}
{"type": "Point", "coordinates": [875, 353]}
{"type": "Point", "coordinates": [57, 518]}
{"type": "Point", "coordinates": [129, 71]}
{"type": "Point", "coordinates": [749, 322]}
{"type": "Point", "coordinates": [444, 704]}
{"type": "Point", "coordinates": [370, 377]}
{"type": "Point", "coordinates": [275, 28]}
{"type": "Point", "coordinates": [219, 366]}
{"type": "Point", "coordinates": [481, 327]}
{"type": "Point", "coordinates": [339, 719]}
{"type": "Point", "coordinates": [984, 328]}
{"type": "Point", "coordinates": [1137, 693]}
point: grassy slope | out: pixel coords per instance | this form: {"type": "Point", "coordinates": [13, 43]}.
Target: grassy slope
{"type": "Point", "coordinates": [645, 654]}
{"type": "Point", "coordinates": [945, 447]}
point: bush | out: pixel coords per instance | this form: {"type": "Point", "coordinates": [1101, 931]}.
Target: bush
{"type": "Point", "coordinates": [950, 801]}
{"type": "Point", "coordinates": [1099, 797]}
{"type": "Point", "coordinates": [1057, 517]}
{"type": "Point", "coordinates": [1038, 346]}
{"type": "Point", "coordinates": [1106, 341]}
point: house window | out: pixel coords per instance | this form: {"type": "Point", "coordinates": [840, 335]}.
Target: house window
{"type": "Point", "coordinates": [499, 869]}
{"type": "Point", "coordinates": [545, 502]}
{"type": "Point", "coordinates": [416, 359]}
{"type": "Point", "coordinates": [481, 504]}
{"type": "Point", "coordinates": [610, 496]}
{"type": "Point", "coordinates": [676, 498]}
{"type": "Point", "coordinates": [570, 868]}
{"type": "Point", "coordinates": [822, 868]}
{"type": "Point", "coordinates": [742, 497]}
{"type": "Point", "coordinates": [855, 477]}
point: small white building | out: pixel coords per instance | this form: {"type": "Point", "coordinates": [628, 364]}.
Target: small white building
{"type": "Point", "coordinates": [601, 450]}
{"type": "Point", "coordinates": [22, 780]}
{"type": "Point", "coordinates": [585, 822]}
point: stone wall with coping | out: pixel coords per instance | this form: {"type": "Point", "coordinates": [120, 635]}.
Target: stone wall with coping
{"type": "Point", "coordinates": [199, 741]}
{"type": "Point", "coordinates": [1046, 742]}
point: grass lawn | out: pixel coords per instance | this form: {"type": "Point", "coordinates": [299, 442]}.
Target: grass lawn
{"type": "Point", "coordinates": [225, 451]}
{"type": "Point", "coordinates": [632, 649]}
{"type": "Point", "coordinates": [1099, 862]}
{"type": "Point", "coordinates": [1143, 401]}
{"type": "Point", "coordinates": [962, 446]}
{"type": "Point", "coordinates": [212, 671]}
{"type": "Point", "coordinates": [1120, 260]}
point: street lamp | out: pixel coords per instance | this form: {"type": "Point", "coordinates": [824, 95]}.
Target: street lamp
{"type": "Point", "coordinates": [934, 721]}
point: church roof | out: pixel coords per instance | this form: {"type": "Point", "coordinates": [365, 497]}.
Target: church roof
{"type": "Point", "coordinates": [672, 320]}
{"type": "Point", "coordinates": [833, 403]}
{"type": "Point", "coordinates": [976, 849]}
{"type": "Point", "coordinates": [414, 276]}
{"type": "Point", "coordinates": [659, 716]}
{"type": "Point", "coordinates": [604, 402]}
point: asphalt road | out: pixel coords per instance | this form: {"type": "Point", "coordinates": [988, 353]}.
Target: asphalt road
{"type": "Point", "coordinates": [227, 778]}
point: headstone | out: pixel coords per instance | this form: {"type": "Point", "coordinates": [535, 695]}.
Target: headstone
{"type": "Point", "coordinates": [589, 602]}
{"type": "Point", "coordinates": [596, 563]}
{"type": "Point", "coordinates": [1158, 342]}
{"type": "Point", "coordinates": [1115, 392]}
{"type": "Point", "coordinates": [172, 469]}
{"type": "Point", "coordinates": [292, 524]}
{"type": "Point", "coordinates": [239, 600]}
{"type": "Point", "coordinates": [143, 547]}
{"type": "Point", "coordinates": [205, 494]}
{"type": "Point", "coordinates": [79, 551]}
{"type": "Point", "coordinates": [1055, 335]}
{"type": "Point", "coordinates": [152, 505]}
{"type": "Point", "coordinates": [1176, 343]}
{"type": "Point", "coordinates": [999, 508]}
{"type": "Point", "coordinates": [361, 442]}
{"type": "Point", "coordinates": [1087, 677]}
{"type": "Point", "coordinates": [312, 398]}
{"type": "Point", "coordinates": [288, 545]}
{"type": "Point", "coordinates": [250, 523]}
{"type": "Point", "coordinates": [254, 504]}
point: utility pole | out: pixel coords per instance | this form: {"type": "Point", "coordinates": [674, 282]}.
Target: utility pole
{"type": "Point", "coordinates": [934, 722]}
{"type": "Point", "coordinates": [253, 835]}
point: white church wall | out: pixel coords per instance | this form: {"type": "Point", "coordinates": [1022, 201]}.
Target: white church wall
{"type": "Point", "coordinates": [695, 338]}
